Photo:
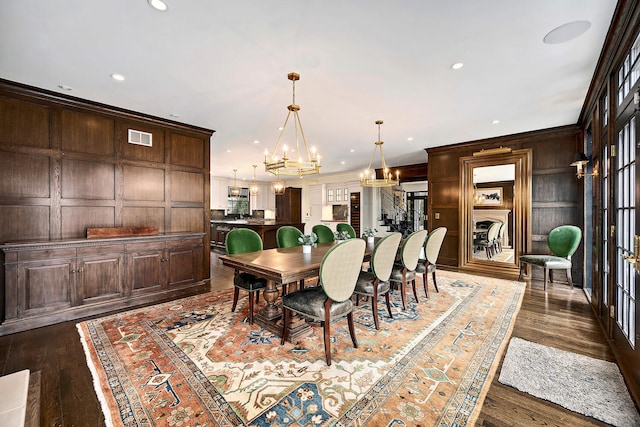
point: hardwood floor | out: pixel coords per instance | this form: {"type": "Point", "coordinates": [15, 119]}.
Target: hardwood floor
{"type": "Point", "coordinates": [558, 318]}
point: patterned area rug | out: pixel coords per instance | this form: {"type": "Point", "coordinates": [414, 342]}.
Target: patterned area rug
{"type": "Point", "coordinates": [192, 362]}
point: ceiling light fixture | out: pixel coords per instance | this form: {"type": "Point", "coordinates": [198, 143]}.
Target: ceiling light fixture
{"type": "Point", "coordinates": [278, 186]}
{"type": "Point", "coordinates": [158, 5]}
{"type": "Point", "coordinates": [235, 190]}
{"type": "Point", "coordinates": [457, 66]}
{"type": "Point", "coordinates": [368, 177]}
{"type": "Point", "coordinates": [284, 165]}
{"type": "Point", "coordinates": [566, 32]}
{"type": "Point", "coordinates": [254, 188]}
{"type": "Point", "coordinates": [117, 77]}
{"type": "Point", "coordinates": [65, 87]}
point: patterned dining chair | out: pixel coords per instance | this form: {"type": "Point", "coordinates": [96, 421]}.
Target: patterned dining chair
{"type": "Point", "coordinates": [405, 270]}
{"type": "Point", "coordinates": [343, 226]}
{"type": "Point", "coordinates": [330, 300]}
{"type": "Point", "coordinates": [238, 241]}
{"type": "Point", "coordinates": [431, 251]}
{"type": "Point", "coordinates": [376, 282]}
{"type": "Point", "coordinates": [324, 233]}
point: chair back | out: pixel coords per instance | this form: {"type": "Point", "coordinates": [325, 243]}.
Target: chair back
{"type": "Point", "coordinates": [564, 240]}
{"type": "Point", "coordinates": [410, 253]}
{"type": "Point", "coordinates": [340, 268]}
{"type": "Point", "coordinates": [494, 229]}
{"type": "Point", "coordinates": [287, 236]}
{"type": "Point", "coordinates": [384, 255]}
{"type": "Point", "coordinates": [324, 233]}
{"type": "Point", "coordinates": [241, 240]}
{"type": "Point", "coordinates": [434, 243]}
{"type": "Point", "coordinates": [343, 226]}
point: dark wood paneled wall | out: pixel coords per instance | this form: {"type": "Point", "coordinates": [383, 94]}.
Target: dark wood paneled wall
{"type": "Point", "coordinates": [66, 165]}
{"type": "Point", "coordinates": [554, 186]}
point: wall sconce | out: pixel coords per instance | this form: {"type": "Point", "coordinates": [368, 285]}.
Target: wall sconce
{"type": "Point", "coordinates": [580, 160]}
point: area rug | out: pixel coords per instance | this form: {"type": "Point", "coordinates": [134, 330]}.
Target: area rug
{"type": "Point", "coordinates": [192, 362]}
{"type": "Point", "coordinates": [591, 387]}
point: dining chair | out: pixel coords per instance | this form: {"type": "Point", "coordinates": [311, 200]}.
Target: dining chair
{"type": "Point", "coordinates": [375, 282]}
{"type": "Point", "coordinates": [562, 242]}
{"type": "Point", "coordinates": [405, 270]}
{"type": "Point", "coordinates": [324, 233]}
{"type": "Point", "coordinates": [488, 243]}
{"type": "Point", "coordinates": [238, 241]}
{"type": "Point", "coordinates": [287, 236]}
{"type": "Point", "coordinates": [431, 251]}
{"type": "Point", "coordinates": [330, 300]}
{"type": "Point", "coordinates": [343, 226]}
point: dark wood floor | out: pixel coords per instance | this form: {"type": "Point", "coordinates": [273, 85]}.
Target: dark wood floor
{"type": "Point", "coordinates": [558, 318]}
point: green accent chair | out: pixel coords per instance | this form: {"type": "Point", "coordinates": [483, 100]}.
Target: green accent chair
{"type": "Point", "coordinates": [563, 241]}
{"type": "Point", "coordinates": [405, 270]}
{"type": "Point", "coordinates": [287, 236]}
{"type": "Point", "coordinates": [339, 270]}
{"type": "Point", "coordinates": [343, 226]}
{"type": "Point", "coordinates": [324, 233]}
{"type": "Point", "coordinates": [431, 251]}
{"type": "Point", "coordinates": [239, 241]}
{"type": "Point", "coordinates": [376, 282]}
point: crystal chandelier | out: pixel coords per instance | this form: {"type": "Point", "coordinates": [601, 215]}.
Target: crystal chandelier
{"type": "Point", "coordinates": [368, 177]}
{"type": "Point", "coordinates": [235, 190]}
{"type": "Point", "coordinates": [284, 165]}
{"type": "Point", "coordinates": [254, 188]}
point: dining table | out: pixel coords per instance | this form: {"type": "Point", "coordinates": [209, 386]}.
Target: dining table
{"type": "Point", "coordinates": [283, 267]}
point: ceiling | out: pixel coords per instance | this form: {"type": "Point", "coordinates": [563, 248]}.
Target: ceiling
{"type": "Point", "coordinates": [223, 65]}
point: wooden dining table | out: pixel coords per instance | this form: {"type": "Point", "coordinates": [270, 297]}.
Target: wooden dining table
{"type": "Point", "coordinates": [282, 266]}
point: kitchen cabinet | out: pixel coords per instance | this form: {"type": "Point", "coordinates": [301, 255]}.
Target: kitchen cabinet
{"type": "Point", "coordinates": [289, 205]}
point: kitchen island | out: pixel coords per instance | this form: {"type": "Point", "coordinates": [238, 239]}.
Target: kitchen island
{"type": "Point", "coordinates": [266, 228]}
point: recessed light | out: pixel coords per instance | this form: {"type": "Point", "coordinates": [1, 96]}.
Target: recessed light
{"type": "Point", "coordinates": [158, 5]}
{"type": "Point", "coordinates": [280, 128]}
{"type": "Point", "coordinates": [118, 77]}
{"type": "Point", "coordinates": [228, 150]}
{"type": "Point", "coordinates": [65, 87]}
{"type": "Point", "coordinates": [342, 162]}
{"type": "Point", "coordinates": [255, 141]}
{"type": "Point", "coordinates": [495, 122]}
{"type": "Point", "coordinates": [352, 150]}
{"type": "Point", "coordinates": [410, 138]}
{"type": "Point", "coordinates": [566, 32]}
{"type": "Point", "coordinates": [457, 66]}
{"type": "Point", "coordinates": [174, 115]}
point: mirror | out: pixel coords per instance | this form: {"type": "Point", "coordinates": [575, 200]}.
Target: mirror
{"type": "Point", "coordinates": [495, 210]}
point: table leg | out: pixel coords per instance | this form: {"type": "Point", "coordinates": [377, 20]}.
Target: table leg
{"type": "Point", "coordinates": [270, 316]}
{"type": "Point", "coordinates": [270, 311]}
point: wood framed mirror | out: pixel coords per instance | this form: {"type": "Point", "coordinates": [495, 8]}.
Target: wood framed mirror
{"type": "Point", "coordinates": [495, 210]}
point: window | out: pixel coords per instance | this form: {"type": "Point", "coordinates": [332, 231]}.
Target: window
{"type": "Point", "coordinates": [330, 195]}
{"type": "Point", "coordinates": [604, 107]}
{"type": "Point", "coordinates": [629, 72]}
{"type": "Point", "coordinates": [239, 204]}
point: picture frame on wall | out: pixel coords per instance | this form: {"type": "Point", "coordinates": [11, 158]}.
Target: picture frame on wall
{"type": "Point", "coordinates": [488, 196]}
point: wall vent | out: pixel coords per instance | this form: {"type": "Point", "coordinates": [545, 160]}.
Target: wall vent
{"type": "Point", "coordinates": [140, 138]}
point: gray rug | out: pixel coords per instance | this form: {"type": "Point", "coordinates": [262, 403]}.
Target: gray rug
{"type": "Point", "coordinates": [591, 387]}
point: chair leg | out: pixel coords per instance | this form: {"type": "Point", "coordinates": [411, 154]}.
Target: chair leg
{"type": "Point", "coordinates": [435, 284]}
{"type": "Point", "coordinates": [257, 297]}
{"type": "Point", "coordinates": [522, 267]}
{"type": "Point", "coordinates": [386, 297]}
{"type": "Point", "coordinates": [546, 277]}
{"type": "Point", "coordinates": [374, 303]}
{"type": "Point", "coordinates": [236, 292]}
{"type": "Point", "coordinates": [569, 278]}
{"type": "Point", "coordinates": [251, 308]}
{"type": "Point", "coordinates": [403, 292]}
{"type": "Point", "coordinates": [425, 282]}
{"type": "Point", "coordinates": [326, 327]}
{"type": "Point", "coordinates": [352, 330]}
{"type": "Point", "coordinates": [415, 293]}
{"type": "Point", "coordinates": [286, 314]}
{"type": "Point", "coordinates": [551, 276]}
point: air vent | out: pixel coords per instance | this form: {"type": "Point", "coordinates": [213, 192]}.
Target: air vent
{"type": "Point", "coordinates": [140, 138]}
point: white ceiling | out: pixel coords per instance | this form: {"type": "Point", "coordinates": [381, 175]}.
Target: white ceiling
{"type": "Point", "coordinates": [223, 65]}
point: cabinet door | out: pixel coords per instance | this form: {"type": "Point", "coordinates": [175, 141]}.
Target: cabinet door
{"type": "Point", "coordinates": [145, 271]}
{"type": "Point", "coordinates": [100, 278]}
{"type": "Point", "coordinates": [45, 286]}
{"type": "Point", "coordinates": [183, 262]}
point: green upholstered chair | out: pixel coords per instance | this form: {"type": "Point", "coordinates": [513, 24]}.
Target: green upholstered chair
{"type": "Point", "coordinates": [343, 226]}
{"type": "Point", "coordinates": [405, 270]}
{"type": "Point", "coordinates": [376, 282]}
{"type": "Point", "coordinates": [330, 300]}
{"type": "Point", "coordinates": [287, 236]}
{"type": "Point", "coordinates": [563, 242]}
{"type": "Point", "coordinates": [238, 241]}
{"type": "Point", "coordinates": [431, 251]}
{"type": "Point", "coordinates": [324, 233]}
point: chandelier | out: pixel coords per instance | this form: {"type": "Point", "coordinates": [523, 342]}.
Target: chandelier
{"type": "Point", "coordinates": [235, 190]}
{"type": "Point", "coordinates": [278, 186]}
{"type": "Point", "coordinates": [254, 188]}
{"type": "Point", "coordinates": [284, 165]}
{"type": "Point", "coordinates": [368, 177]}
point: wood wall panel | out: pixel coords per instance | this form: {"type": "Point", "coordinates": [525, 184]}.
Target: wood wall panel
{"type": "Point", "coordinates": [188, 151]}
{"type": "Point", "coordinates": [24, 223]}
{"type": "Point", "coordinates": [76, 219]}
{"type": "Point", "coordinates": [23, 175]}
{"type": "Point", "coordinates": [143, 183]}
{"type": "Point", "coordinates": [143, 217]}
{"type": "Point", "coordinates": [187, 219]}
{"type": "Point", "coordinates": [24, 123]}
{"type": "Point", "coordinates": [548, 188]}
{"type": "Point", "coordinates": [87, 180]}
{"type": "Point", "coordinates": [187, 187]}
{"type": "Point", "coordinates": [155, 153]}
{"type": "Point", "coordinates": [88, 133]}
